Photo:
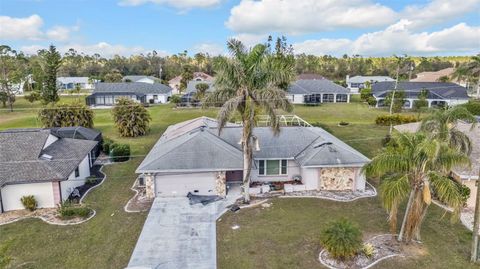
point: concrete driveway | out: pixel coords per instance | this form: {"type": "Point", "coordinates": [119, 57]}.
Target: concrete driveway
{"type": "Point", "coordinates": [179, 235]}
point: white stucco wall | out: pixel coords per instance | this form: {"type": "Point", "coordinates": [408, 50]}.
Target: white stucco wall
{"type": "Point", "coordinates": [180, 184]}
{"type": "Point", "coordinates": [360, 180]}
{"type": "Point", "coordinates": [11, 195]}
{"type": "Point", "coordinates": [67, 186]}
{"type": "Point", "coordinates": [454, 102]}
{"type": "Point", "coordinates": [162, 98]}
{"type": "Point", "coordinates": [293, 169]}
{"type": "Point", "coordinates": [295, 98]}
{"type": "Point", "coordinates": [310, 178]}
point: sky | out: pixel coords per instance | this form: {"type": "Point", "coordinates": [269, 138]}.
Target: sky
{"type": "Point", "coordinates": [318, 27]}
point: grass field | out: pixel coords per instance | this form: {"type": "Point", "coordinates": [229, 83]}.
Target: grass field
{"type": "Point", "coordinates": [283, 237]}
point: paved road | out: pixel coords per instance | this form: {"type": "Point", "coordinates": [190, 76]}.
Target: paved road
{"type": "Point", "coordinates": [178, 235]}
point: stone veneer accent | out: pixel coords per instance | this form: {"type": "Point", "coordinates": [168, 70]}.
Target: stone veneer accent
{"type": "Point", "coordinates": [220, 184]}
{"type": "Point", "coordinates": [150, 186]}
{"type": "Point", "coordinates": [337, 178]}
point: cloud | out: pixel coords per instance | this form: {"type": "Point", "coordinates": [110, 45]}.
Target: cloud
{"type": "Point", "coordinates": [103, 48]}
{"type": "Point", "coordinates": [296, 17]}
{"type": "Point", "coordinates": [310, 16]}
{"type": "Point", "coordinates": [180, 4]}
{"type": "Point", "coordinates": [437, 11]}
{"type": "Point", "coordinates": [212, 49]}
{"type": "Point", "coordinates": [30, 28]}
{"type": "Point", "coordinates": [399, 39]}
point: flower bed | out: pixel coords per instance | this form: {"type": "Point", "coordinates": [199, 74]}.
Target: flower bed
{"type": "Point", "coordinates": [49, 215]}
{"type": "Point", "coordinates": [385, 246]}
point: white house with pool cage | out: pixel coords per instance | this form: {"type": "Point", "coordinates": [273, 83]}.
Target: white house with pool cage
{"type": "Point", "coordinates": [317, 91]}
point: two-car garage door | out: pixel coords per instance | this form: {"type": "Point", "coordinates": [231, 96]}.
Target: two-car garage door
{"type": "Point", "coordinates": [180, 185]}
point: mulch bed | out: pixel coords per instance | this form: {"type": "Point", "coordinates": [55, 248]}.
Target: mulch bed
{"type": "Point", "coordinates": [386, 246]}
{"type": "Point", "coordinates": [49, 215]}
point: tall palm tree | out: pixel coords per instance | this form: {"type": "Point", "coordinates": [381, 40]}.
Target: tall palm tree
{"type": "Point", "coordinates": [414, 166]}
{"type": "Point", "coordinates": [442, 125]}
{"type": "Point", "coordinates": [470, 71]}
{"type": "Point", "coordinates": [247, 81]}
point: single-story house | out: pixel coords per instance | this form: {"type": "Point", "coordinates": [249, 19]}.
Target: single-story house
{"type": "Point", "coordinates": [143, 79]}
{"type": "Point", "coordinates": [174, 83]}
{"type": "Point", "coordinates": [316, 91]}
{"type": "Point", "coordinates": [188, 98]}
{"type": "Point", "coordinates": [37, 162]}
{"type": "Point", "coordinates": [70, 83]}
{"type": "Point", "coordinates": [438, 93]}
{"type": "Point", "coordinates": [192, 157]}
{"type": "Point", "coordinates": [465, 175]}
{"type": "Point", "coordinates": [436, 76]}
{"type": "Point", "coordinates": [356, 83]}
{"type": "Point", "coordinates": [106, 94]}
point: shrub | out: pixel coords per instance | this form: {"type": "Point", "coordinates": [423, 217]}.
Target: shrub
{"type": "Point", "coordinates": [372, 101]}
{"type": "Point", "coordinates": [176, 99]}
{"type": "Point", "coordinates": [473, 106]}
{"type": "Point", "coordinates": [33, 96]}
{"type": "Point", "coordinates": [395, 119]}
{"type": "Point", "coordinates": [66, 115]}
{"type": "Point", "coordinates": [368, 250]}
{"type": "Point", "coordinates": [29, 202]}
{"type": "Point", "coordinates": [91, 180]}
{"type": "Point", "coordinates": [464, 192]}
{"type": "Point", "coordinates": [67, 210]}
{"type": "Point", "coordinates": [107, 144]}
{"type": "Point", "coordinates": [365, 94]}
{"type": "Point", "coordinates": [131, 118]}
{"type": "Point", "coordinates": [342, 239]}
{"type": "Point", "coordinates": [120, 152]}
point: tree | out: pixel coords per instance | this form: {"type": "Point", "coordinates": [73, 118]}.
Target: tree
{"type": "Point", "coordinates": [131, 118]}
{"type": "Point", "coordinates": [248, 81]}
{"type": "Point", "coordinates": [187, 75]}
{"type": "Point", "coordinates": [66, 115]}
{"type": "Point", "coordinates": [12, 75]}
{"type": "Point", "coordinates": [176, 99]}
{"type": "Point", "coordinates": [396, 99]}
{"type": "Point", "coordinates": [201, 91]}
{"type": "Point", "coordinates": [51, 60]}
{"type": "Point", "coordinates": [114, 76]}
{"type": "Point", "coordinates": [422, 102]}
{"type": "Point", "coordinates": [442, 125]}
{"type": "Point", "coordinates": [470, 71]}
{"type": "Point", "coordinates": [414, 166]}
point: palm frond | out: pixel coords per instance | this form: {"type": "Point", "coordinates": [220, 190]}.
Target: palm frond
{"type": "Point", "coordinates": [447, 191]}
{"type": "Point", "coordinates": [226, 111]}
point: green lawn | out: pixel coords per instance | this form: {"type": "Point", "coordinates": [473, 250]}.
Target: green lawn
{"type": "Point", "coordinates": [286, 235]}
{"type": "Point", "coordinates": [283, 237]}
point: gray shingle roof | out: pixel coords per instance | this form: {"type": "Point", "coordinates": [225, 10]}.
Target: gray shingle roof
{"type": "Point", "coordinates": [201, 148]}
{"type": "Point", "coordinates": [436, 90]}
{"type": "Point", "coordinates": [135, 78]}
{"type": "Point", "coordinates": [21, 160]}
{"type": "Point", "coordinates": [363, 79]}
{"type": "Point", "coordinates": [313, 86]}
{"type": "Point", "coordinates": [138, 88]}
{"type": "Point", "coordinates": [77, 132]}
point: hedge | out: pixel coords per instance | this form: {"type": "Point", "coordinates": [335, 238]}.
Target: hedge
{"type": "Point", "coordinates": [473, 106]}
{"type": "Point", "coordinates": [395, 119]}
{"type": "Point", "coordinates": [120, 152]}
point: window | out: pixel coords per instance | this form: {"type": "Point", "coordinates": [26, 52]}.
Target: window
{"type": "Point", "coordinates": [77, 172]}
{"type": "Point", "coordinates": [99, 100]}
{"type": "Point", "coordinates": [155, 97]}
{"type": "Point", "coordinates": [328, 98]}
{"type": "Point", "coordinates": [109, 100]}
{"type": "Point", "coordinates": [272, 167]}
{"type": "Point", "coordinates": [342, 98]}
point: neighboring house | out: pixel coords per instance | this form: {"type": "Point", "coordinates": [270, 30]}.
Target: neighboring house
{"type": "Point", "coordinates": [106, 94]}
{"type": "Point", "coordinates": [191, 157]}
{"type": "Point", "coordinates": [39, 163]}
{"type": "Point", "coordinates": [79, 132]}
{"type": "Point", "coordinates": [465, 175]}
{"type": "Point", "coordinates": [143, 79]}
{"type": "Point", "coordinates": [437, 76]}
{"type": "Point", "coordinates": [189, 97]}
{"type": "Point", "coordinates": [357, 83]}
{"type": "Point", "coordinates": [316, 91]}
{"type": "Point", "coordinates": [439, 93]}
{"type": "Point", "coordinates": [70, 83]}
{"type": "Point", "coordinates": [174, 83]}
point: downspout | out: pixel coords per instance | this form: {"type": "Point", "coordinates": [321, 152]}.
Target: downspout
{"type": "Point", "coordinates": [1, 202]}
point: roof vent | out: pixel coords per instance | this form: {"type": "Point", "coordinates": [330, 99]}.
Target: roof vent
{"type": "Point", "coordinates": [46, 157]}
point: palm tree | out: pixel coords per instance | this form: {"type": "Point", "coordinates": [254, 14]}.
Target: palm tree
{"type": "Point", "coordinates": [470, 71]}
{"type": "Point", "coordinates": [247, 82]}
{"type": "Point", "coordinates": [442, 124]}
{"type": "Point", "coordinates": [414, 166]}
